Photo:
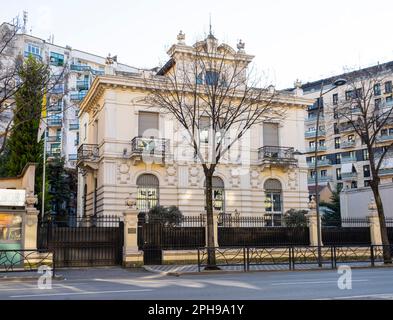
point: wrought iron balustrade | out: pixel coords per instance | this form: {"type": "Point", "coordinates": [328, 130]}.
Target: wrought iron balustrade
{"type": "Point", "coordinates": [149, 146]}
{"type": "Point", "coordinates": [88, 152]}
{"type": "Point", "coordinates": [276, 154]}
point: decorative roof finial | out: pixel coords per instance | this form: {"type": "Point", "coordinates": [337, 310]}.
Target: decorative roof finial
{"type": "Point", "coordinates": [240, 46]}
{"type": "Point", "coordinates": [210, 24]}
{"type": "Point", "coordinates": [181, 37]}
{"type": "Point", "coordinates": [297, 83]}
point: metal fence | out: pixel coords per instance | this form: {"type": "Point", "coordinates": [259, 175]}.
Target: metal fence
{"type": "Point", "coordinates": [262, 231]}
{"type": "Point", "coordinates": [25, 260]}
{"type": "Point", "coordinates": [346, 231]}
{"type": "Point", "coordinates": [293, 257]}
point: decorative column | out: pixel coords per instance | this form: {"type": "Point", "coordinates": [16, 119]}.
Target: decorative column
{"type": "Point", "coordinates": [215, 227]}
{"type": "Point", "coordinates": [30, 222]}
{"type": "Point", "coordinates": [132, 257]}
{"type": "Point", "coordinates": [313, 223]}
{"type": "Point", "coordinates": [375, 229]}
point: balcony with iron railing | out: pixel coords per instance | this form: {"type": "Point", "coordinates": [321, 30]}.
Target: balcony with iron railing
{"type": "Point", "coordinates": [312, 149]}
{"type": "Point", "coordinates": [57, 89]}
{"type": "Point", "coordinates": [385, 171]}
{"type": "Point", "coordinates": [311, 134]}
{"type": "Point", "coordinates": [72, 157]}
{"type": "Point", "coordinates": [87, 153]}
{"type": "Point", "coordinates": [156, 147]}
{"type": "Point", "coordinates": [348, 144]}
{"type": "Point", "coordinates": [320, 163]}
{"type": "Point", "coordinates": [55, 108]}
{"type": "Point", "coordinates": [53, 153]}
{"type": "Point", "coordinates": [276, 155]}
{"type": "Point", "coordinates": [311, 119]}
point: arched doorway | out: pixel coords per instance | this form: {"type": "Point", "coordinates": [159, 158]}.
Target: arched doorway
{"type": "Point", "coordinates": [218, 194]}
{"type": "Point", "coordinates": [147, 192]}
{"type": "Point", "coordinates": [273, 202]}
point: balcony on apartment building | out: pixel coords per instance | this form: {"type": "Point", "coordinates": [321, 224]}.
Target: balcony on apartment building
{"type": "Point", "coordinates": [57, 89]}
{"type": "Point", "coordinates": [386, 165]}
{"type": "Point", "coordinates": [72, 157]}
{"type": "Point", "coordinates": [385, 138]}
{"type": "Point", "coordinates": [321, 179]}
{"type": "Point", "coordinates": [53, 153]}
{"type": "Point", "coordinates": [53, 139]}
{"type": "Point", "coordinates": [54, 108]}
{"type": "Point", "coordinates": [74, 126]}
{"type": "Point", "coordinates": [313, 118]}
{"type": "Point", "coordinates": [348, 144]}
{"type": "Point", "coordinates": [311, 134]}
{"type": "Point", "coordinates": [320, 163]}
{"type": "Point", "coordinates": [87, 156]}
{"type": "Point", "coordinates": [345, 127]}
{"type": "Point", "coordinates": [34, 55]}
{"type": "Point", "coordinates": [78, 96]}
{"type": "Point", "coordinates": [319, 148]}
{"type": "Point", "coordinates": [80, 67]}
{"type": "Point", "coordinates": [275, 155]}
{"type": "Point", "coordinates": [55, 122]}
{"type": "Point", "coordinates": [143, 148]}
{"type": "Point", "coordinates": [82, 85]}
{"type": "Point", "coordinates": [348, 159]}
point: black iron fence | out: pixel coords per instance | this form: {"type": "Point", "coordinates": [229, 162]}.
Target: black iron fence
{"type": "Point", "coordinates": [262, 231]}
{"type": "Point", "coordinates": [346, 231]}
{"type": "Point", "coordinates": [292, 257]}
{"type": "Point", "coordinates": [26, 260]}
{"type": "Point", "coordinates": [185, 233]}
{"type": "Point", "coordinates": [80, 242]}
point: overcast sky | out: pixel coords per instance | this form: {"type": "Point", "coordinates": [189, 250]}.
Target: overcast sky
{"type": "Point", "coordinates": [302, 39]}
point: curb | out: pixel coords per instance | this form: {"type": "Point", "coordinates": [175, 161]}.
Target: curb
{"type": "Point", "coordinates": [27, 278]}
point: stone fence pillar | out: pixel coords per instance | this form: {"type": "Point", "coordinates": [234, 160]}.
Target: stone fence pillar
{"type": "Point", "coordinates": [313, 223]}
{"type": "Point", "coordinates": [30, 224]}
{"type": "Point", "coordinates": [215, 228]}
{"type": "Point", "coordinates": [375, 229]}
{"type": "Point", "coordinates": [132, 257]}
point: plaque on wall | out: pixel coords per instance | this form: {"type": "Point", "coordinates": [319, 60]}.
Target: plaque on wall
{"type": "Point", "coordinates": [12, 197]}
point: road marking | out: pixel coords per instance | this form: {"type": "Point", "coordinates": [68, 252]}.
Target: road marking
{"type": "Point", "coordinates": [78, 293]}
{"type": "Point", "coordinates": [376, 295]}
{"type": "Point", "coordinates": [311, 282]}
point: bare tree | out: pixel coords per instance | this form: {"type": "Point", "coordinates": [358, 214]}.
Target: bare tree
{"type": "Point", "coordinates": [363, 112]}
{"type": "Point", "coordinates": [10, 82]}
{"type": "Point", "coordinates": [216, 99]}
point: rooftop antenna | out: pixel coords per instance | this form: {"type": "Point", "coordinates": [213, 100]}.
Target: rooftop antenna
{"type": "Point", "coordinates": [25, 16]}
{"type": "Point", "coordinates": [210, 24]}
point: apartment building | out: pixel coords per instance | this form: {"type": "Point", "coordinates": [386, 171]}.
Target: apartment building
{"type": "Point", "coordinates": [120, 131]}
{"type": "Point", "coordinates": [79, 69]}
{"type": "Point", "coordinates": [342, 156]}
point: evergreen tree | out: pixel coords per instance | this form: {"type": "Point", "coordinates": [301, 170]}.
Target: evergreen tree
{"type": "Point", "coordinates": [22, 146]}
{"type": "Point", "coordinates": [333, 216]}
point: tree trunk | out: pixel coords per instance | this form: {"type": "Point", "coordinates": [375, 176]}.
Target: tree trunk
{"type": "Point", "coordinates": [211, 254]}
{"type": "Point", "coordinates": [387, 257]}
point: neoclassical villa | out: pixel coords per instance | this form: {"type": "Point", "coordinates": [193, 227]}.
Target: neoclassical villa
{"type": "Point", "coordinates": [129, 148]}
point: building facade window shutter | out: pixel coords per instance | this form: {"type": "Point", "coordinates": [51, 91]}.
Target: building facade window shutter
{"type": "Point", "coordinates": [148, 124]}
{"type": "Point", "coordinates": [270, 134]}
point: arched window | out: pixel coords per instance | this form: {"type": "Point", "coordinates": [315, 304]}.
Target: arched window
{"type": "Point", "coordinates": [211, 77]}
{"type": "Point", "coordinates": [148, 192]}
{"type": "Point", "coordinates": [273, 201]}
{"type": "Point", "coordinates": [218, 194]}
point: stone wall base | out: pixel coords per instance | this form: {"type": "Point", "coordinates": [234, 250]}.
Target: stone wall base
{"type": "Point", "coordinates": [133, 259]}
{"type": "Point", "coordinates": [179, 256]}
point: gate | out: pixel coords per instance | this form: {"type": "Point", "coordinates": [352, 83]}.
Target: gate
{"type": "Point", "coordinates": [86, 242]}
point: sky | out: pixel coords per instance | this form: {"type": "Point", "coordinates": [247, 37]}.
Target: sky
{"type": "Point", "coordinates": [302, 39]}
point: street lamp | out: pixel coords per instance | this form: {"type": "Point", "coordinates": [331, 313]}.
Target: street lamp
{"type": "Point", "coordinates": [337, 83]}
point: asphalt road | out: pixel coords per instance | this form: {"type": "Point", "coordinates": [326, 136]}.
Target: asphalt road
{"type": "Point", "coordinates": [117, 283]}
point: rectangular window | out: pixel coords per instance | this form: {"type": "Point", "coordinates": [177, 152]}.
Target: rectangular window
{"type": "Point", "coordinates": [365, 154]}
{"type": "Point", "coordinates": [148, 124]}
{"type": "Point", "coordinates": [389, 99]}
{"type": "Point", "coordinates": [377, 103]}
{"type": "Point", "coordinates": [366, 171]}
{"type": "Point", "coordinates": [33, 49]}
{"type": "Point", "coordinates": [204, 127]}
{"type": "Point", "coordinates": [335, 99]}
{"type": "Point", "coordinates": [320, 102]}
{"type": "Point", "coordinates": [338, 158]}
{"type": "Point", "coordinates": [339, 186]}
{"type": "Point", "coordinates": [270, 134]}
{"type": "Point", "coordinates": [354, 184]}
{"type": "Point", "coordinates": [388, 87]}
{"type": "Point", "coordinates": [312, 173]}
{"type": "Point", "coordinates": [366, 183]}
{"type": "Point", "coordinates": [384, 132]}
{"type": "Point", "coordinates": [390, 131]}
{"type": "Point", "coordinates": [336, 129]}
{"type": "Point", "coordinates": [311, 144]}
{"type": "Point", "coordinates": [321, 143]}
{"type": "Point", "coordinates": [338, 173]}
{"type": "Point", "coordinates": [337, 143]}
{"type": "Point", "coordinates": [323, 173]}
{"type": "Point", "coordinates": [359, 93]}
{"type": "Point", "coordinates": [335, 113]}
{"type": "Point", "coordinates": [56, 59]}
{"type": "Point", "coordinates": [377, 89]}
{"type": "Point", "coordinates": [348, 95]}
{"type": "Point", "coordinates": [351, 137]}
